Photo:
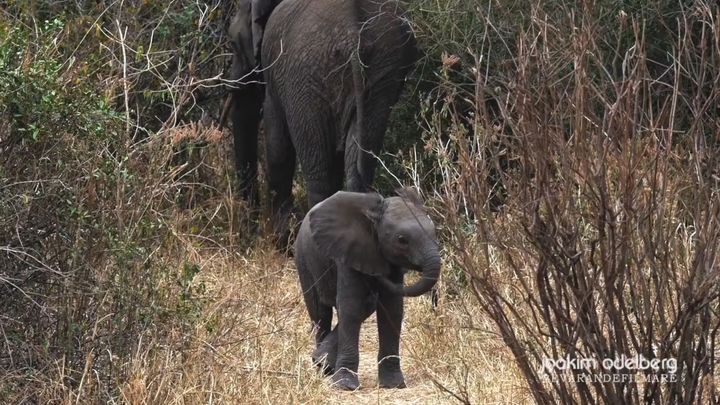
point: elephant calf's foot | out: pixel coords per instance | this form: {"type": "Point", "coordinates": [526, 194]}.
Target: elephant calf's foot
{"type": "Point", "coordinates": [325, 355]}
{"type": "Point", "coordinates": [323, 361]}
{"type": "Point", "coordinates": [345, 379]}
{"type": "Point", "coordinates": [389, 373]}
{"type": "Point", "coordinates": [391, 378]}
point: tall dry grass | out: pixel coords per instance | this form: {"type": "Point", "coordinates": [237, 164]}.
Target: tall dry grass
{"type": "Point", "coordinates": [249, 341]}
{"type": "Point", "coordinates": [607, 162]}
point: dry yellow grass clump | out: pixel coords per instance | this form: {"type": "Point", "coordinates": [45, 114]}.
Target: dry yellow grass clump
{"type": "Point", "coordinates": [253, 345]}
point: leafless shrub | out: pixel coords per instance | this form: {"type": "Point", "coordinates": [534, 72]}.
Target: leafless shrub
{"type": "Point", "coordinates": [607, 244]}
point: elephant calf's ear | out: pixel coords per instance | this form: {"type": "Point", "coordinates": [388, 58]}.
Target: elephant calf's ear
{"type": "Point", "coordinates": [410, 194]}
{"type": "Point", "coordinates": [343, 228]}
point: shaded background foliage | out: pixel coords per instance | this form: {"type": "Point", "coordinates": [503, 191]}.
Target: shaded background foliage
{"type": "Point", "coordinates": [110, 164]}
{"type": "Point", "coordinates": [97, 153]}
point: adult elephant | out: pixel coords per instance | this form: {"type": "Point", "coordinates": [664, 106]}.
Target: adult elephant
{"type": "Point", "coordinates": [332, 71]}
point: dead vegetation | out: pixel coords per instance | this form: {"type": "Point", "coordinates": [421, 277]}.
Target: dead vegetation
{"type": "Point", "coordinates": [607, 244]}
{"type": "Point", "coordinates": [569, 153]}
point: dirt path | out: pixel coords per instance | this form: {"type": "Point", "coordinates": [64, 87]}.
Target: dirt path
{"type": "Point", "coordinates": [418, 391]}
{"type": "Point", "coordinates": [254, 347]}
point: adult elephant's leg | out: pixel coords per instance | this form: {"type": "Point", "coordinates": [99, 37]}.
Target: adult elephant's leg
{"type": "Point", "coordinates": [354, 179]}
{"type": "Point", "coordinates": [325, 183]}
{"type": "Point", "coordinates": [246, 104]}
{"type": "Point", "coordinates": [280, 155]}
{"type": "Point", "coordinates": [363, 146]}
{"type": "Point", "coordinates": [354, 306]}
{"type": "Point", "coordinates": [247, 95]}
{"type": "Point", "coordinates": [313, 129]}
{"type": "Point", "coordinates": [389, 322]}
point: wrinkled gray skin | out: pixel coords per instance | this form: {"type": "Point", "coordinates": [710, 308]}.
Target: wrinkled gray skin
{"type": "Point", "coordinates": [351, 253]}
{"type": "Point", "coordinates": [245, 33]}
{"type": "Point", "coordinates": [333, 70]}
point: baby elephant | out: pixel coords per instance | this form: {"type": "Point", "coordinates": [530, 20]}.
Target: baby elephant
{"type": "Point", "coordinates": [351, 253]}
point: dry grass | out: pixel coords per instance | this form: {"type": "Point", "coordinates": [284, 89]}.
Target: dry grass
{"type": "Point", "coordinates": [259, 348]}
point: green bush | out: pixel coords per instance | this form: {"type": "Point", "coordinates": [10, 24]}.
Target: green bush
{"type": "Point", "coordinates": [88, 258]}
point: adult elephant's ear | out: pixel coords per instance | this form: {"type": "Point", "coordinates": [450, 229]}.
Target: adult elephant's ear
{"type": "Point", "coordinates": [261, 10]}
{"type": "Point", "coordinates": [241, 39]}
{"type": "Point", "coordinates": [343, 228]}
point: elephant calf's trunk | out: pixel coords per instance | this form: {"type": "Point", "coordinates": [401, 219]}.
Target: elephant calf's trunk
{"type": "Point", "coordinates": [430, 274]}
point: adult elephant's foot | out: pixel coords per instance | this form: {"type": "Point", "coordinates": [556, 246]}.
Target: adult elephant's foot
{"type": "Point", "coordinates": [345, 379]}
{"type": "Point", "coordinates": [285, 226]}
{"type": "Point", "coordinates": [389, 373]}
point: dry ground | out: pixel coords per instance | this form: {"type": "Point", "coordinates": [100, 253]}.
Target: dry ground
{"type": "Point", "coordinates": [253, 341]}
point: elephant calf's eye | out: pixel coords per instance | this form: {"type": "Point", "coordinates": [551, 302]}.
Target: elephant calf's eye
{"type": "Point", "coordinates": [402, 240]}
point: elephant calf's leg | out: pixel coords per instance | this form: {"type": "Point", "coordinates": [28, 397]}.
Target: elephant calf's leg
{"type": "Point", "coordinates": [353, 296]}
{"type": "Point", "coordinates": [348, 357]}
{"type": "Point", "coordinates": [323, 323]}
{"type": "Point", "coordinates": [389, 321]}
{"type": "Point", "coordinates": [325, 352]}
{"type": "Point", "coordinates": [325, 355]}
{"type": "Point", "coordinates": [320, 314]}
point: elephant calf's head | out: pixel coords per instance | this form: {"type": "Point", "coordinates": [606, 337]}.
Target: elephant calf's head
{"type": "Point", "coordinates": [375, 235]}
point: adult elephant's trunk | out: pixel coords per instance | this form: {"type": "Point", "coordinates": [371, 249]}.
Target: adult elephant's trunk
{"type": "Point", "coordinates": [430, 273]}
